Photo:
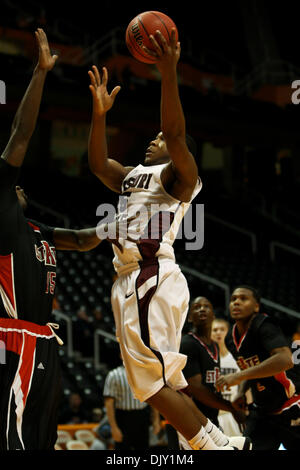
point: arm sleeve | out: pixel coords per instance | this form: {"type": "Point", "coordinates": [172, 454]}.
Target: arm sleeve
{"type": "Point", "coordinates": [46, 230]}
{"type": "Point", "coordinates": [8, 178]}
{"type": "Point", "coordinates": [193, 363]}
{"type": "Point", "coordinates": [109, 388]}
{"type": "Point", "coordinates": [271, 336]}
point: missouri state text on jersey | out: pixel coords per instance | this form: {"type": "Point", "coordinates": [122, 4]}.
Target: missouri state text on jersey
{"type": "Point", "coordinates": [140, 181]}
{"type": "Point", "coordinates": [45, 253]}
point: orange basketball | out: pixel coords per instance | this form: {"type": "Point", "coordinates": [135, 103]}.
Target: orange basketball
{"type": "Point", "coordinates": [141, 27]}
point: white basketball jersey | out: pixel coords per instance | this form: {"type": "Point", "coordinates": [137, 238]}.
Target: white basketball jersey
{"type": "Point", "coordinates": [157, 214]}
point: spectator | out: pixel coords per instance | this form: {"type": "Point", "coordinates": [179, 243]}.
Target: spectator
{"type": "Point", "coordinates": [98, 321]}
{"type": "Point", "coordinates": [74, 412]}
{"type": "Point", "coordinates": [83, 333]}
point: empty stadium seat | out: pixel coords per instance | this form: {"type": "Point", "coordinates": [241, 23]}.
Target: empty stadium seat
{"type": "Point", "coordinates": [76, 445]}
{"type": "Point", "coordinates": [85, 435]}
{"type": "Point", "coordinates": [63, 437]}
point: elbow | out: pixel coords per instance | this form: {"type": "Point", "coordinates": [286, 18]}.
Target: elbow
{"type": "Point", "coordinates": [93, 168]}
{"type": "Point", "coordinates": [21, 136]}
{"type": "Point", "coordinates": [288, 362]}
{"type": "Point", "coordinates": [78, 241]}
{"type": "Point", "coordinates": [81, 246]}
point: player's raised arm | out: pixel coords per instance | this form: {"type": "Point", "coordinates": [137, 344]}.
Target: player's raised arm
{"type": "Point", "coordinates": [25, 119]}
{"type": "Point", "coordinates": [172, 116]}
{"type": "Point", "coordinates": [109, 171]}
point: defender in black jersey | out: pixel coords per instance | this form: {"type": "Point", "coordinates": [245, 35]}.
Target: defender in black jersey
{"type": "Point", "coordinates": [202, 368]}
{"type": "Point", "coordinates": [30, 372]}
{"type": "Point", "coordinates": [265, 359]}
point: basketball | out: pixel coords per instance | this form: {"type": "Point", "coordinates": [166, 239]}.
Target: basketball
{"type": "Point", "coordinates": [141, 27]}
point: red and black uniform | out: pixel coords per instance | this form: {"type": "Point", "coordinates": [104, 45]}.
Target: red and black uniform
{"type": "Point", "coordinates": [29, 367]}
{"type": "Point", "coordinates": [276, 399]}
{"type": "Point", "coordinates": [202, 359]}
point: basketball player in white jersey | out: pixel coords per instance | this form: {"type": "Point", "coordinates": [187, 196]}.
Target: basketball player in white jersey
{"type": "Point", "coordinates": [150, 296]}
{"type": "Point", "coordinates": [228, 365]}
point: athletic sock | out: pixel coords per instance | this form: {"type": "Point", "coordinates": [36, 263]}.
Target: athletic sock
{"type": "Point", "coordinates": [202, 441]}
{"type": "Point", "coordinates": [219, 438]}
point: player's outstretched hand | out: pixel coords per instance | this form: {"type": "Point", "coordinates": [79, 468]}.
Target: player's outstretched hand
{"type": "Point", "coordinates": [225, 382]}
{"type": "Point", "coordinates": [102, 100]}
{"type": "Point", "coordinates": [46, 59]}
{"type": "Point", "coordinates": [167, 55]}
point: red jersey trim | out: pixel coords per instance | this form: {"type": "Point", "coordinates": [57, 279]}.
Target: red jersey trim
{"type": "Point", "coordinates": [7, 285]}
{"type": "Point", "coordinates": [214, 356]}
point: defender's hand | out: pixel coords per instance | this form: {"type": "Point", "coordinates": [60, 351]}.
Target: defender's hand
{"type": "Point", "coordinates": [46, 59]}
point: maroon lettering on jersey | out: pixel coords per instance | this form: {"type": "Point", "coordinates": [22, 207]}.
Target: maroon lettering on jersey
{"type": "Point", "coordinates": [140, 181]}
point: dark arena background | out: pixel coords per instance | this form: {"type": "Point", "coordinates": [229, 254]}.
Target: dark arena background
{"type": "Point", "coordinates": [237, 70]}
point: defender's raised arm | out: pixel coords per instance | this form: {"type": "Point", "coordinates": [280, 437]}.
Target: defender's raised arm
{"type": "Point", "coordinates": [25, 119]}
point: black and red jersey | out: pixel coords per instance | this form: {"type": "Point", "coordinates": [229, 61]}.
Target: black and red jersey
{"type": "Point", "coordinates": [202, 359]}
{"type": "Point", "coordinates": [254, 347]}
{"type": "Point", "coordinates": [27, 257]}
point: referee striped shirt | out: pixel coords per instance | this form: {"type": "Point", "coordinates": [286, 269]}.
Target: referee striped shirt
{"type": "Point", "coordinates": [116, 386]}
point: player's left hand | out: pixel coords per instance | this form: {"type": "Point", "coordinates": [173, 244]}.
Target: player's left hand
{"type": "Point", "coordinates": [46, 59]}
{"type": "Point", "coordinates": [167, 55]}
{"type": "Point", "coordinates": [225, 382]}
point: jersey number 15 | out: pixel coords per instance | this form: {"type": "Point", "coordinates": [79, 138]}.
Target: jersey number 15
{"type": "Point", "coordinates": [51, 278]}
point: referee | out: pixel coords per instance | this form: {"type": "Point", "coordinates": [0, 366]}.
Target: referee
{"type": "Point", "coordinates": [129, 418]}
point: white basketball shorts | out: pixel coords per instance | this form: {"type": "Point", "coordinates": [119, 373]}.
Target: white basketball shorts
{"type": "Point", "coordinates": [150, 307]}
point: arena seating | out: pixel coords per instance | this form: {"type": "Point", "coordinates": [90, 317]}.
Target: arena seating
{"type": "Point", "coordinates": [85, 278]}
